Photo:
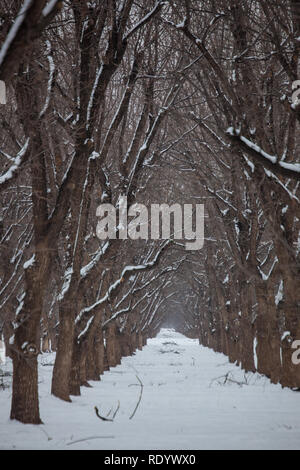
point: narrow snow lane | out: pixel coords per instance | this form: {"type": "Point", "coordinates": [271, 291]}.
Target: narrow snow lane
{"type": "Point", "coordinates": [192, 398]}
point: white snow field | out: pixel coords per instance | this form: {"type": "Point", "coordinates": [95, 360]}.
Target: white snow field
{"type": "Point", "coordinates": [192, 398]}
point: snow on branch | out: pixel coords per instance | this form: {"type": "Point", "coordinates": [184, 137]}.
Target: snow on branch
{"type": "Point", "coordinates": [155, 310]}
{"type": "Point", "coordinates": [116, 315]}
{"type": "Point", "coordinates": [66, 284]}
{"type": "Point", "coordinates": [144, 20]}
{"type": "Point", "coordinates": [291, 170]}
{"type": "Point", "coordinates": [183, 27]}
{"type": "Point", "coordinates": [264, 276]}
{"type": "Point", "coordinates": [88, 267]}
{"type": "Point", "coordinates": [91, 100]}
{"type": "Point", "coordinates": [10, 173]}
{"type": "Point", "coordinates": [49, 7]}
{"type": "Point", "coordinates": [50, 80]}
{"type": "Point", "coordinates": [126, 271]}
{"type": "Point", "coordinates": [151, 133]}
{"type": "Point", "coordinates": [26, 28]}
{"type": "Point", "coordinates": [217, 195]}
{"type": "Point", "coordinates": [14, 29]}
{"type": "Point", "coordinates": [133, 291]}
{"type": "Point", "coordinates": [29, 263]}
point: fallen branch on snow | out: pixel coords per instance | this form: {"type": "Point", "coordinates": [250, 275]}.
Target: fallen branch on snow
{"type": "Point", "coordinates": [228, 377]}
{"type": "Point", "coordinates": [107, 419]}
{"type": "Point", "coordinates": [140, 397]}
{"type": "Point", "coordinates": [101, 417]}
{"type": "Point", "coordinates": [117, 409]}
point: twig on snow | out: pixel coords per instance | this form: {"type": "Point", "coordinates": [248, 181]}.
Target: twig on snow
{"type": "Point", "coordinates": [101, 417]}
{"type": "Point", "coordinates": [117, 409]}
{"type": "Point", "coordinates": [140, 397]}
{"type": "Point", "coordinates": [109, 413]}
{"type": "Point", "coordinates": [228, 377]}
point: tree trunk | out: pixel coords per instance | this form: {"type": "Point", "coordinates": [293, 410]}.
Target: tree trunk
{"type": "Point", "coordinates": [124, 344]}
{"type": "Point", "coordinates": [247, 328]}
{"type": "Point", "coordinates": [25, 402]}
{"type": "Point", "coordinates": [268, 340]}
{"type": "Point", "coordinates": [25, 349]}
{"type": "Point", "coordinates": [110, 345]}
{"type": "Point", "coordinates": [290, 372]}
{"type": "Point", "coordinates": [74, 378]}
{"type": "Point", "coordinates": [94, 364]}
{"type": "Point", "coordinates": [63, 360]}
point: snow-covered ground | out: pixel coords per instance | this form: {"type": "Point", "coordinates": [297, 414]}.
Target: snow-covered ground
{"type": "Point", "coordinates": [192, 398]}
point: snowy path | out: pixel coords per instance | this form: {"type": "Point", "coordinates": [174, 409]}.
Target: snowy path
{"type": "Point", "coordinates": [182, 406]}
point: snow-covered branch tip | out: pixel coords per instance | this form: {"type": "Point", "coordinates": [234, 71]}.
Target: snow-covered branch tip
{"type": "Point", "coordinates": [140, 397]}
{"type": "Point", "coordinates": [126, 271]}
{"type": "Point", "coordinates": [50, 6]}
{"type": "Point", "coordinates": [15, 168]}
{"type": "Point", "coordinates": [290, 170]}
{"type": "Point", "coordinates": [14, 29]}
{"type": "Point", "coordinates": [144, 20]}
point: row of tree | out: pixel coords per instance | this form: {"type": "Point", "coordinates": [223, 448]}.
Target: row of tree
{"type": "Point", "coordinates": [249, 128]}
